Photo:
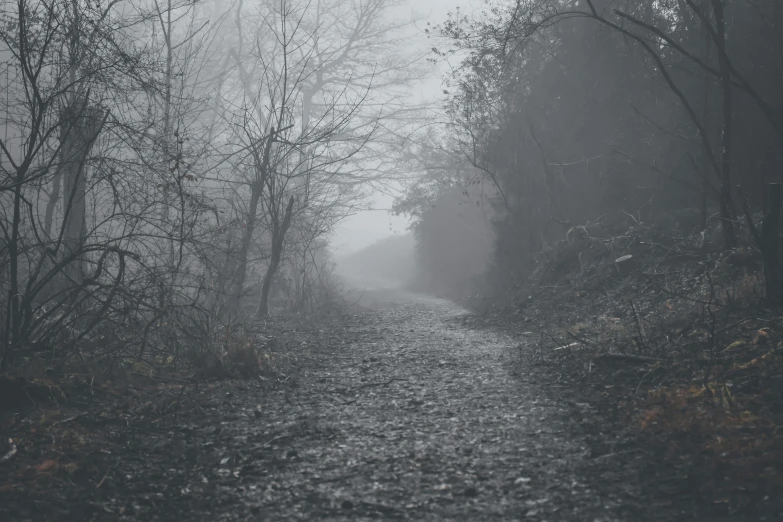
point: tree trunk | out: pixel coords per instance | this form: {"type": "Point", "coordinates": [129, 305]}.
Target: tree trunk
{"type": "Point", "coordinates": [278, 239]}
{"type": "Point", "coordinates": [83, 127]}
{"type": "Point", "coordinates": [705, 160]}
{"type": "Point", "coordinates": [261, 171]}
{"type": "Point", "coordinates": [244, 249]}
{"type": "Point", "coordinates": [726, 203]}
{"type": "Point", "coordinates": [51, 204]}
{"type": "Point", "coordinates": [170, 147]}
{"type": "Point", "coordinates": [75, 205]}
{"type": "Point", "coordinates": [71, 139]}
{"type": "Point", "coordinates": [770, 247]}
{"type": "Point", "coordinates": [13, 313]}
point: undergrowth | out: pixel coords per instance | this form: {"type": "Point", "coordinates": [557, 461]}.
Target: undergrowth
{"type": "Point", "coordinates": [681, 351]}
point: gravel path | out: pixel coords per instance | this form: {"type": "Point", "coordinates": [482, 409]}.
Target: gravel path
{"type": "Point", "coordinates": [419, 418]}
{"type": "Point", "coordinates": [401, 412]}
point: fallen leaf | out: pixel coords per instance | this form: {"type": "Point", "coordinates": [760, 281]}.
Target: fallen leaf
{"type": "Point", "coordinates": [735, 344]}
{"type": "Point", "coordinates": [47, 466]}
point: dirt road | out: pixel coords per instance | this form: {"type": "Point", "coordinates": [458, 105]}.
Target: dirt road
{"type": "Point", "coordinates": [418, 418]}
{"type": "Point", "coordinates": [408, 414]}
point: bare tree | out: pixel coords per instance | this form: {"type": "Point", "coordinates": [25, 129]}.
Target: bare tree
{"type": "Point", "coordinates": [309, 117]}
{"type": "Point", "coordinates": [58, 56]}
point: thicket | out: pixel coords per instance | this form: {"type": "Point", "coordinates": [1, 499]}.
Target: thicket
{"type": "Point", "coordinates": [625, 158]}
{"type": "Point", "coordinates": [170, 170]}
{"type": "Point", "coordinates": [562, 113]}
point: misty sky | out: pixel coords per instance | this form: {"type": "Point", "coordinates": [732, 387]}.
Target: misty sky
{"type": "Point", "coordinates": [366, 227]}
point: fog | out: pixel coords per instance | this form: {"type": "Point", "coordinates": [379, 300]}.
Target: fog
{"type": "Point", "coordinates": [201, 199]}
{"type": "Point", "coordinates": [549, 121]}
{"type": "Point", "coordinates": [366, 227]}
{"type": "Point", "coordinates": [235, 152]}
{"type": "Point", "coordinates": [195, 152]}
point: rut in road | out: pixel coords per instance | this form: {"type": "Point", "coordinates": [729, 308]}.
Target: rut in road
{"type": "Point", "coordinates": [421, 418]}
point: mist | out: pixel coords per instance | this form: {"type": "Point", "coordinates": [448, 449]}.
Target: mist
{"type": "Point", "coordinates": [354, 259]}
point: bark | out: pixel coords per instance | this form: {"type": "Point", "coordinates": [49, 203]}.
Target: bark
{"type": "Point", "coordinates": [84, 125]}
{"type": "Point", "coordinates": [169, 147]}
{"type": "Point", "coordinates": [261, 167]}
{"type": "Point", "coordinates": [51, 204]}
{"type": "Point", "coordinates": [770, 247]}
{"type": "Point", "coordinates": [13, 317]}
{"type": "Point", "coordinates": [75, 208]}
{"type": "Point", "coordinates": [278, 239]}
{"type": "Point", "coordinates": [79, 128]}
{"type": "Point", "coordinates": [705, 160]}
{"type": "Point", "coordinates": [726, 203]}
{"type": "Point", "coordinates": [247, 239]}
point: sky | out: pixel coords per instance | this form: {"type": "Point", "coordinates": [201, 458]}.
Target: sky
{"type": "Point", "coordinates": [367, 227]}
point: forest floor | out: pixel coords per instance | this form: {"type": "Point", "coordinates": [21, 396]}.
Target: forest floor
{"type": "Point", "coordinates": [412, 410]}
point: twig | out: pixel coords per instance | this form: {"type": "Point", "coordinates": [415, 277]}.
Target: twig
{"type": "Point", "coordinates": [623, 357]}
{"type": "Point", "coordinates": [555, 340]}
{"type": "Point", "coordinates": [732, 325]}
{"type": "Point", "coordinates": [607, 455]}
{"type": "Point", "coordinates": [360, 297]}
{"type": "Point", "coordinates": [11, 452]}
{"type": "Point", "coordinates": [104, 478]}
{"type": "Point", "coordinates": [270, 441]}
{"type": "Point", "coordinates": [639, 326]}
{"type": "Point", "coordinates": [579, 339]}
{"type": "Point", "coordinates": [564, 347]}
{"type": "Point", "coordinates": [651, 370]}
{"type": "Point", "coordinates": [70, 419]}
{"type": "Point", "coordinates": [683, 296]}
